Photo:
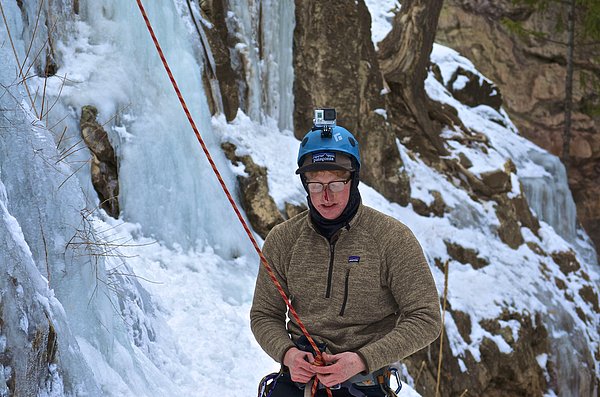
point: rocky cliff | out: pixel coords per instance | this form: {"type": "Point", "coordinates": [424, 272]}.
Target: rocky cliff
{"type": "Point", "coordinates": [530, 74]}
{"type": "Point", "coordinates": [336, 66]}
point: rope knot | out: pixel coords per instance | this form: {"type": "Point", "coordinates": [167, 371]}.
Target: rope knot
{"type": "Point", "coordinates": [319, 362]}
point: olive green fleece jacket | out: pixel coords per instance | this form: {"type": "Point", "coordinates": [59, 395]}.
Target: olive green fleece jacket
{"type": "Point", "coordinates": [370, 291]}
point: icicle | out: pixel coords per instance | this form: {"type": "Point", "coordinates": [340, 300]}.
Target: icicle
{"type": "Point", "coordinates": [550, 196]}
{"type": "Point", "coordinates": [209, 61]}
{"type": "Point", "coordinates": [263, 56]}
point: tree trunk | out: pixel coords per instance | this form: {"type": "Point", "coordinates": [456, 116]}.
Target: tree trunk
{"type": "Point", "coordinates": [404, 59]}
{"type": "Point", "coordinates": [335, 65]}
{"type": "Point", "coordinates": [569, 83]}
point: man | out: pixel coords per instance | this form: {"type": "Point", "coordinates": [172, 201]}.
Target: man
{"type": "Point", "coordinates": [357, 278]}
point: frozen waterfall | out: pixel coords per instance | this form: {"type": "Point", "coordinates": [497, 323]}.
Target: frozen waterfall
{"type": "Point", "coordinates": [53, 263]}
{"type": "Point", "coordinates": [549, 196]}
{"type": "Point", "coordinates": [166, 183]}
{"type": "Point", "coordinates": [263, 56]}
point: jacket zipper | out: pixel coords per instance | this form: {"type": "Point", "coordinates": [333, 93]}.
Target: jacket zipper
{"type": "Point", "coordinates": [345, 293]}
{"type": "Point", "coordinates": [330, 271]}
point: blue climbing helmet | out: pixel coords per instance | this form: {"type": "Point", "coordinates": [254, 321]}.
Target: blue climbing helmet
{"type": "Point", "coordinates": [328, 148]}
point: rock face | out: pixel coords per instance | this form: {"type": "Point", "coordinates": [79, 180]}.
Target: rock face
{"type": "Point", "coordinates": [254, 191]}
{"type": "Point", "coordinates": [26, 356]}
{"type": "Point", "coordinates": [530, 73]}
{"type": "Point", "coordinates": [104, 167]}
{"type": "Point", "coordinates": [495, 374]}
{"type": "Point", "coordinates": [404, 56]}
{"type": "Point", "coordinates": [220, 42]}
{"type": "Point", "coordinates": [336, 66]}
{"type": "Point", "coordinates": [468, 89]}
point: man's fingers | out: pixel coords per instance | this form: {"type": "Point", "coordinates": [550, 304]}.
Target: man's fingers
{"type": "Point", "coordinates": [328, 380]}
{"type": "Point", "coordinates": [308, 357]}
{"type": "Point", "coordinates": [329, 358]}
{"type": "Point", "coordinates": [325, 369]}
{"type": "Point", "coordinates": [300, 367]}
{"type": "Point", "coordinates": [301, 377]}
{"type": "Point", "coordinates": [305, 367]}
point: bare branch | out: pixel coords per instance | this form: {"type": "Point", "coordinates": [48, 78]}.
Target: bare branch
{"type": "Point", "coordinates": [17, 58]}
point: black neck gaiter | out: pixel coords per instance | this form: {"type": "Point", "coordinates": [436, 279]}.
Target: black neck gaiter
{"type": "Point", "coordinates": [328, 227]}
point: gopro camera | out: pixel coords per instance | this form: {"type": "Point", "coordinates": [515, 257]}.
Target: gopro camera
{"type": "Point", "coordinates": [324, 118]}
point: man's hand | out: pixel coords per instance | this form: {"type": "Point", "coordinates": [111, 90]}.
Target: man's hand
{"type": "Point", "coordinates": [300, 365]}
{"type": "Point", "coordinates": [339, 368]}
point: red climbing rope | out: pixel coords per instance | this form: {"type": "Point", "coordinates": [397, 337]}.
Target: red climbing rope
{"type": "Point", "coordinates": [319, 357]}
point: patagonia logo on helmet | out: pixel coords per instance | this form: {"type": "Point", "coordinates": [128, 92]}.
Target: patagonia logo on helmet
{"type": "Point", "coordinates": [323, 158]}
{"type": "Point", "coordinates": [353, 259]}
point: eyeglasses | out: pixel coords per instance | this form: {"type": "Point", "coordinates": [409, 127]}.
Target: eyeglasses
{"type": "Point", "coordinates": [333, 186]}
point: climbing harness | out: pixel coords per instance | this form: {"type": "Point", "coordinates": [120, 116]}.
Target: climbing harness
{"type": "Point", "coordinates": [319, 357]}
{"type": "Point", "coordinates": [396, 372]}
{"type": "Point", "coordinates": [380, 378]}
{"type": "Point", "coordinates": [267, 384]}
{"type": "Point", "coordinates": [365, 384]}
{"type": "Point", "coordinates": [378, 381]}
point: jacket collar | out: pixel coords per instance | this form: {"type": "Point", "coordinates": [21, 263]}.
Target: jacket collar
{"type": "Point", "coordinates": [353, 222]}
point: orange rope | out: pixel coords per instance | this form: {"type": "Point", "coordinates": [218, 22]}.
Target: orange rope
{"type": "Point", "coordinates": [319, 357]}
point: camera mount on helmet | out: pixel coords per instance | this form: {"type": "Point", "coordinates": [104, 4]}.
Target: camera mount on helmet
{"type": "Point", "coordinates": [325, 120]}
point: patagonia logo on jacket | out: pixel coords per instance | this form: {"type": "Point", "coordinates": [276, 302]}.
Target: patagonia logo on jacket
{"type": "Point", "coordinates": [353, 259]}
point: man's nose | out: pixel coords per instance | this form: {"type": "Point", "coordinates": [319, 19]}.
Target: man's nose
{"type": "Point", "coordinates": [326, 194]}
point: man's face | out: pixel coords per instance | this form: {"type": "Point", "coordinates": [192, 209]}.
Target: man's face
{"type": "Point", "coordinates": [329, 204]}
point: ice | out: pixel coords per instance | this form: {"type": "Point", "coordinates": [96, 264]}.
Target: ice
{"type": "Point", "coordinates": [28, 304]}
{"type": "Point", "coordinates": [162, 169]}
{"type": "Point", "coordinates": [53, 264]}
{"type": "Point", "coordinates": [550, 197]}
{"type": "Point", "coordinates": [264, 31]}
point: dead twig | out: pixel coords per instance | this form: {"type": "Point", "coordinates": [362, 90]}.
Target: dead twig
{"type": "Point", "coordinates": [439, 369]}
{"type": "Point", "coordinates": [43, 99]}
{"type": "Point", "coordinates": [45, 247]}
{"type": "Point", "coordinates": [17, 59]}
{"type": "Point", "coordinates": [73, 173]}
{"type": "Point", "coordinates": [116, 114]}
{"type": "Point", "coordinates": [70, 150]}
{"type": "Point", "coordinates": [61, 135]}
{"type": "Point", "coordinates": [37, 22]}
{"type": "Point", "coordinates": [37, 55]}
{"type": "Point", "coordinates": [420, 371]}
{"type": "Point", "coordinates": [62, 85]}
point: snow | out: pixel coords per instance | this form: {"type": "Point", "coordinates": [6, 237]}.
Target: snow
{"type": "Point", "coordinates": [460, 83]}
{"type": "Point", "coordinates": [157, 302]}
{"type": "Point", "coordinates": [382, 14]}
{"type": "Point", "coordinates": [542, 360]}
{"type": "Point", "coordinates": [267, 145]}
{"type": "Point", "coordinates": [381, 112]}
{"type": "Point", "coordinates": [542, 175]}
